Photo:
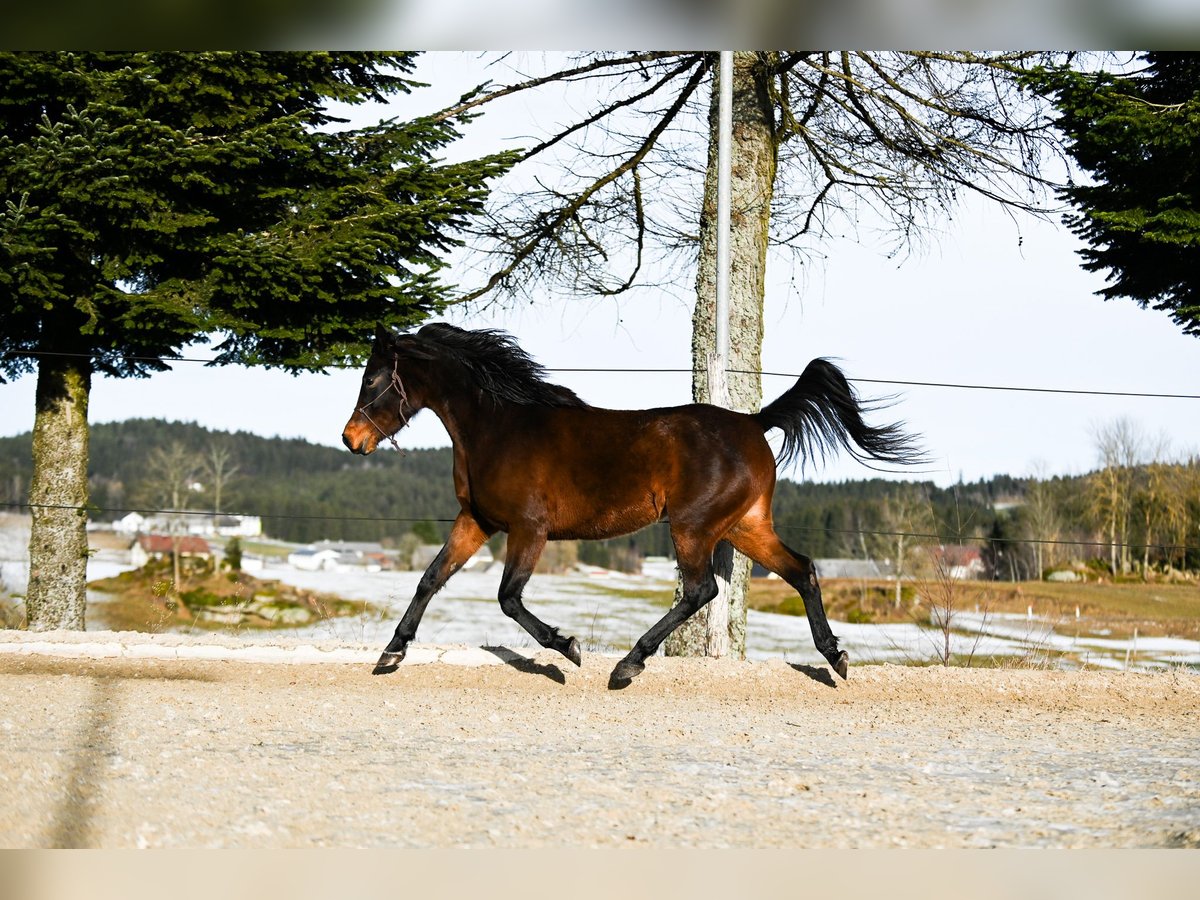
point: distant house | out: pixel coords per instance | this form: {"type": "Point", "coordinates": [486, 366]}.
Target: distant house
{"type": "Point", "coordinates": [160, 546]}
{"type": "Point", "coordinates": [349, 549]}
{"type": "Point", "coordinates": [479, 562]}
{"type": "Point", "coordinates": [229, 526]}
{"type": "Point", "coordinates": [859, 569]}
{"type": "Point", "coordinates": [379, 562]}
{"type": "Point", "coordinates": [313, 559]}
{"type": "Point", "coordinates": [200, 524]}
{"type": "Point", "coordinates": [130, 524]}
{"type": "Point", "coordinates": [960, 562]}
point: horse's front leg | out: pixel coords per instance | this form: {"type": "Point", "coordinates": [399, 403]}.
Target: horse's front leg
{"type": "Point", "coordinates": [524, 548]}
{"type": "Point", "coordinates": [466, 536]}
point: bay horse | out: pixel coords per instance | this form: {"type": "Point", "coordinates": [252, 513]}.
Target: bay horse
{"type": "Point", "coordinates": [535, 461]}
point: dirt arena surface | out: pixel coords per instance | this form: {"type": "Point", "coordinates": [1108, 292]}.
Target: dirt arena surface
{"type": "Point", "coordinates": [126, 753]}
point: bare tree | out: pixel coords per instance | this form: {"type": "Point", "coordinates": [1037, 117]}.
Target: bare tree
{"type": "Point", "coordinates": [1181, 524]}
{"type": "Point", "coordinates": [1043, 521]}
{"type": "Point", "coordinates": [1119, 448]}
{"type": "Point", "coordinates": [941, 606]}
{"type": "Point", "coordinates": [1151, 484]}
{"type": "Point", "coordinates": [171, 473]}
{"type": "Point", "coordinates": [218, 469]}
{"type": "Point", "coordinates": [907, 522]}
{"type": "Point", "coordinates": [947, 597]}
{"type": "Point", "coordinates": [820, 139]}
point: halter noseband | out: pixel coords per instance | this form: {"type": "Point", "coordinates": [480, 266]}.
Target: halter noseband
{"type": "Point", "coordinates": [399, 387]}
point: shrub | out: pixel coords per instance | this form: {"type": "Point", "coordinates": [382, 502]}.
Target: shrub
{"type": "Point", "coordinates": [233, 554]}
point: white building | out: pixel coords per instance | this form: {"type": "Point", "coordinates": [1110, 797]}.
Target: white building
{"type": "Point", "coordinates": [313, 559]}
{"type": "Point", "coordinates": [479, 561]}
{"type": "Point", "coordinates": [199, 524]}
{"type": "Point", "coordinates": [133, 523]}
{"type": "Point", "coordinates": [161, 546]}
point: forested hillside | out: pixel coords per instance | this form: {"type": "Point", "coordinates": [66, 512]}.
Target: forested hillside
{"type": "Point", "coordinates": [302, 491]}
{"type": "Point", "coordinates": [305, 492]}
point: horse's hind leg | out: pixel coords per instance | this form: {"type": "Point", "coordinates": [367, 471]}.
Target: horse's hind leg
{"type": "Point", "coordinates": [466, 536]}
{"type": "Point", "coordinates": [699, 583]}
{"type": "Point", "coordinates": [523, 552]}
{"type": "Point", "coordinates": [757, 539]}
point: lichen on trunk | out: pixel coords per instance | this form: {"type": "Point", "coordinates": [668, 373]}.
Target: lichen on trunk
{"type": "Point", "coordinates": [58, 497]}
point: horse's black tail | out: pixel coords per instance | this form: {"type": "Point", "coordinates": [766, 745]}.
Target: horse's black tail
{"type": "Point", "coordinates": [821, 413]}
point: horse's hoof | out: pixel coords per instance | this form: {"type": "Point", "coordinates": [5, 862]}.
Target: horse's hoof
{"type": "Point", "coordinates": [841, 664]}
{"type": "Point", "coordinates": [625, 672]}
{"type": "Point", "coordinates": [388, 663]}
{"type": "Point", "coordinates": [572, 652]}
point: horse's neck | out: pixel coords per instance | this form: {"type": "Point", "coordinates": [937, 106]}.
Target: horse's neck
{"type": "Point", "coordinates": [458, 411]}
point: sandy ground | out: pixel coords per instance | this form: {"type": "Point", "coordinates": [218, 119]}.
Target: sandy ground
{"type": "Point", "coordinates": [533, 753]}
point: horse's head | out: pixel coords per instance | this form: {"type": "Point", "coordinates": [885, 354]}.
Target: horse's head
{"type": "Point", "coordinates": [385, 401]}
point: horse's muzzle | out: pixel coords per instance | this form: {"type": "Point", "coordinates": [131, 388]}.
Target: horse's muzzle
{"type": "Point", "coordinates": [357, 442]}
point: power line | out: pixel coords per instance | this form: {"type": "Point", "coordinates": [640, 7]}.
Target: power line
{"type": "Point", "coordinates": [1040, 390]}
{"type": "Point", "coordinates": [132, 357]}
{"type": "Point", "coordinates": [1156, 395]}
{"type": "Point", "coordinates": [932, 536]}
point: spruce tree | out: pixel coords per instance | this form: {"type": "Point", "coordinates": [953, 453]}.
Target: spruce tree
{"type": "Point", "coordinates": [153, 199]}
{"type": "Point", "coordinates": [1137, 137]}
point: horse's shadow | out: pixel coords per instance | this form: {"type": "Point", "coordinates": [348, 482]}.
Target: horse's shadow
{"type": "Point", "coordinates": [526, 665]}
{"type": "Point", "coordinates": [819, 674]}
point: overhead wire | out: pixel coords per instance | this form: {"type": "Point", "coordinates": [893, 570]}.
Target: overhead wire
{"type": "Point", "coordinates": [1158, 395]}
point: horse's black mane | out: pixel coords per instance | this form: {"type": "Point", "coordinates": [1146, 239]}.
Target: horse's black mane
{"type": "Point", "coordinates": [498, 365]}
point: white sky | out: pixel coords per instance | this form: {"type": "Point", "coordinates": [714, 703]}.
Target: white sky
{"type": "Point", "coordinates": [976, 307]}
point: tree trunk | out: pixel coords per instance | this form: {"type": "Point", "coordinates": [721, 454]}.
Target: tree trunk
{"type": "Point", "coordinates": [58, 497]}
{"type": "Point", "coordinates": [176, 575]}
{"type": "Point", "coordinates": [1151, 502]}
{"type": "Point", "coordinates": [1112, 542]}
{"type": "Point", "coordinates": [1126, 562]}
{"type": "Point", "coordinates": [755, 157]}
{"type": "Point", "coordinates": [176, 526]}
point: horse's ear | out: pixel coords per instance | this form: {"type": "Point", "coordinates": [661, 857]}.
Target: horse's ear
{"type": "Point", "coordinates": [383, 337]}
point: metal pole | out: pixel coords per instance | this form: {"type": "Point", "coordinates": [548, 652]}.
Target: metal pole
{"type": "Point", "coordinates": [724, 201]}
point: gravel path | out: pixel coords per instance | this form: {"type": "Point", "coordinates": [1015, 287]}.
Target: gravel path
{"type": "Point", "coordinates": [124, 752]}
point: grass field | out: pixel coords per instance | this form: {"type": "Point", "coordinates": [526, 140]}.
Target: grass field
{"type": "Point", "coordinates": [1115, 610]}
{"type": "Point", "coordinates": [1155, 610]}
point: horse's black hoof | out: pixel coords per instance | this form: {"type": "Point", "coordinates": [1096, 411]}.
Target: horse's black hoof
{"type": "Point", "coordinates": [388, 663]}
{"type": "Point", "coordinates": [841, 664]}
{"type": "Point", "coordinates": [625, 672]}
{"type": "Point", "coordinates": [573, 653]}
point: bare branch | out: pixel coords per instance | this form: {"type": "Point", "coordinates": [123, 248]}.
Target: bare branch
{"type": "Point", "coordinates": [900, 135]}
{"type": "Point", "coordinates": [608, 110]}
{"type": "Point", "coordinates": [476, 98]}
{"type": "Point", "coordinates": [894, 131]}
{"type": "Point", "coordinates": [640, 222]}
{"type": "Point", "coordinates": [552, 222]}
